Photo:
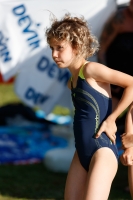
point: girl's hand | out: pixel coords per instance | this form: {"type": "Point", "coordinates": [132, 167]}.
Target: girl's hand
{"type": "Point", "coordinates": [127, 157]}
{"type": "Point", "coordinates": [127, 140]}
{"type": "Point", "coordinates": [109, 127]}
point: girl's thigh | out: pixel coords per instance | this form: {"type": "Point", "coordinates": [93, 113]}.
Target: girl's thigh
{"type": "Point", "coordinates": [102, 170]}
{"type": "Point", "coordinates": [76, 180]}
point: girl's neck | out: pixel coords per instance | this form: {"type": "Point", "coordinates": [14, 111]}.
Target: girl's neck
{"type": "Point", "coordinates": [75, 68]}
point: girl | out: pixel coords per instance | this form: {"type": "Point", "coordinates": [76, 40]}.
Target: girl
{"type": "Point", "coordinates": [95, 161]}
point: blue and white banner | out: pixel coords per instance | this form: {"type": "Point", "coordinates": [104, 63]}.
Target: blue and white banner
{"type": "Point", "coordinates": [25, 54]}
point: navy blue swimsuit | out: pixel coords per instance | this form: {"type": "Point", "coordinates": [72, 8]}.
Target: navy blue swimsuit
{"type": "Point", "coordinates": [91, 109]}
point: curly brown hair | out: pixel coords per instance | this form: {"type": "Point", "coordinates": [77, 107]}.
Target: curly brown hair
{"type": "Point", "coordinates": [76, 31]}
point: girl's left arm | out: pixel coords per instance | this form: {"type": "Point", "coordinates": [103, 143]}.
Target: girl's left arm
{"type": "Point", "coordinates": [102, 73]}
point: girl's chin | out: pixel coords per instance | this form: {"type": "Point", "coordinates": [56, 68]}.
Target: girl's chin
{"type": "Point", "coordinates": [61, 65]}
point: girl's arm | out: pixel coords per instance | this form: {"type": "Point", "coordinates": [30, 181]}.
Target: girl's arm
{"type": "Point", "coordinates": [127, 137]}
{"type": "Point", "coordinates": [127, 157]}
{"type": "Point", "coordinates": [101, 73]}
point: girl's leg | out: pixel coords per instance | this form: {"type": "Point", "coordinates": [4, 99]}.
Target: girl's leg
{"type": "Point", "coordinates": [76, 180]}
{"type": "Point", "coordinates": [130, 179]}
{"type": "Point", "coordinates": [103, 168]}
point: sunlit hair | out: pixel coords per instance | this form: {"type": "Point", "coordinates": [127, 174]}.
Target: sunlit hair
{"type": "Point", "coordinates": [74, 30]}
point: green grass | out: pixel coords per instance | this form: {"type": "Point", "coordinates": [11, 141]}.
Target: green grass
{"type": "Point", "coordinates": [7, 94]}
{"type": "Point", "coordinates": [35, 182]}
{"type": "Point", "coordinates": [30, 182]}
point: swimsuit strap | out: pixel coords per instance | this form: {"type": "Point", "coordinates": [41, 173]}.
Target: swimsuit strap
{"type": "Point", "coordinates": [81, 75]}
{"type": "Point", "coordinates": [71, 83]}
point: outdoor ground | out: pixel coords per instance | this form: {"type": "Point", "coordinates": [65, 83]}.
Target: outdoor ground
{"type": "Point", "coordinates": [35, 182]}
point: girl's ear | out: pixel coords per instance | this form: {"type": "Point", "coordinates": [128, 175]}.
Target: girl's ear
{"type": "Point", "coordinates": [75, 50]}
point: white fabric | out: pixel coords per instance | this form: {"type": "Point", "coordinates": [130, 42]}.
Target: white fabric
{"type": "Point", "coordinates": [24, 52]}
{"type": "Point", "coordinates": [120, 2]}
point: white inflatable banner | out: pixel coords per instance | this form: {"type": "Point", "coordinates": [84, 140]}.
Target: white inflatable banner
{"type": "Point", "coordinates": [24, 52]}
{"type": "Point", "coordinates": [122, 2]}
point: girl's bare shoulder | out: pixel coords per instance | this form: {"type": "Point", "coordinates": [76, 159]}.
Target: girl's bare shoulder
{"type": "Point", "coordinates": [92, 68]}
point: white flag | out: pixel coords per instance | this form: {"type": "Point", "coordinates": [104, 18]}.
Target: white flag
{"type": "Point", "coordinates": [23, 48]}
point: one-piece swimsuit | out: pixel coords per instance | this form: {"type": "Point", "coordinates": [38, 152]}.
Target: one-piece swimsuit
{"type": "Point", "coordinates": [91, 109]}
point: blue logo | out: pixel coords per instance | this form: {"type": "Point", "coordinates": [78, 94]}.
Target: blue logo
{"type": "Point", "coordinates": [27, 26]}
{"type": "Point", "coordinates": [4, 52]}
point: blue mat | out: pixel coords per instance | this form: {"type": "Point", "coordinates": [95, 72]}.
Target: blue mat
{"type": "Point", "coordinates": [23, 145]}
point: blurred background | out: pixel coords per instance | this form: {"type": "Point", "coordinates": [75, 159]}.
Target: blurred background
{"type": "Point", "coordinates": [36, 135]}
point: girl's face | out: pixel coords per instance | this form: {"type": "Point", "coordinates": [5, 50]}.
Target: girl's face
{"type": "Point", "coordinates": [62, 52]}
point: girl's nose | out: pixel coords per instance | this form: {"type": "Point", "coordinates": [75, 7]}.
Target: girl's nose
{"type": "Point", "coordinates": [54, 54]}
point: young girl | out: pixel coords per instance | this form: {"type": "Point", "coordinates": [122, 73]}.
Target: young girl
{"type": "Point", "coordinates": [127, 144]}
{"type": "Point", "coordinates": [95, 161]}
